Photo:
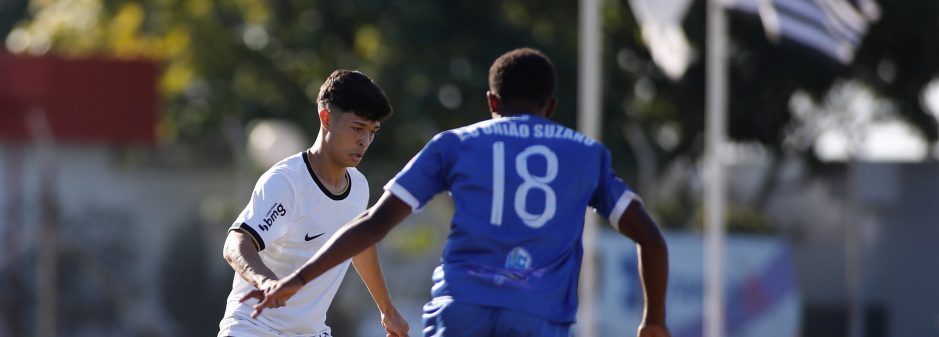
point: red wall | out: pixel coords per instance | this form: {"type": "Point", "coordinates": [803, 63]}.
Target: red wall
{"type": "Point", "coordinates": [84, 99]}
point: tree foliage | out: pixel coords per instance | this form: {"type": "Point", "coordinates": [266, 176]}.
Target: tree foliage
{"type": "Point", "coordinates": [899, 57]}
{"type": "Point", "coordinates": [241, 60]}
{"type": "Point", "coordinates": [231, 62]}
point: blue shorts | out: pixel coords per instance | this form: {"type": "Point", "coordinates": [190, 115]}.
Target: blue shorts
{"type": "Point", "coordinates": [445, 318]}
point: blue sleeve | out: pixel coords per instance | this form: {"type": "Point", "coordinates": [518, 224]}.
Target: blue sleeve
{"type": "Point", "coordinates": [612, 196]}
{"type": "Point", "coordinates": [426, 174]}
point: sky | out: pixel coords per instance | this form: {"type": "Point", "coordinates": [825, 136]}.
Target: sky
{"type": "Point", "coordinates": [882, 138]}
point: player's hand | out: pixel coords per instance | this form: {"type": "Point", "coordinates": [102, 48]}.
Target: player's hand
{"type": "Point", "coordinates": [276, 296]}
{"type": "Point", "coordinates": [258, 294]}
{"type": "Point", "coordinates": [273, 295]}
{"type": "Point", "coordinates": [653, 330]}
{"type": "Point", "coordinates": [394, 324]}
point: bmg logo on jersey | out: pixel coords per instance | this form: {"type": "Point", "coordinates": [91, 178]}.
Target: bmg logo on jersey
{"type": "Point", "coordinates": [276, 211]}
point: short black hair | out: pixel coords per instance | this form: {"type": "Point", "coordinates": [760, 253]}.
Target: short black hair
{"type": "Point", "coordinates": [353, 91]}
{"type": "Point", "coordinates": [522, 74]}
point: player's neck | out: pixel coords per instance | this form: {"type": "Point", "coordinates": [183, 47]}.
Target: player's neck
{"type": "Point", "coordinates": [522, 107]}
{"type": "Point", "coordinates": [518, 110]}
{"type": "Point", "coordinates": [515, 113]}
{"type": "Point", "coordinates": [328, 172]}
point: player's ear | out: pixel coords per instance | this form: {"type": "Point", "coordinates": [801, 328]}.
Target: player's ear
{"type": "Point", "coordinates": [493, 101]}
{"type": "Point", "coordinates": [324, 118]}
{"type": "Point", "coordinates": [550, 106]}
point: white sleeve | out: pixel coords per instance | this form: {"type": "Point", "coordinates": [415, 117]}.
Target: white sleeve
{"type": "Point", "coordinates": [269, 211]}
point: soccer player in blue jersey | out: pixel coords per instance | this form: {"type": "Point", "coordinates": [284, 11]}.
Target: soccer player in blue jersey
{"type": "Point", "coordinates": [520, 184]}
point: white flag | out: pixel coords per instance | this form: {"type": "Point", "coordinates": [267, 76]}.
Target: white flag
{"type": "Point", "coordinates": [660, 21]}
{"type": "Point", "coordinates": [832, 27]}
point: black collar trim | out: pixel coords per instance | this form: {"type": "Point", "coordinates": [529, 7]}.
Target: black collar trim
{"type": "Point", "coordinates": [341, 196]}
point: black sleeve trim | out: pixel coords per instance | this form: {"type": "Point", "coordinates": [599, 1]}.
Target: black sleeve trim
{"type": "Point", "coordinates": [258, 243]}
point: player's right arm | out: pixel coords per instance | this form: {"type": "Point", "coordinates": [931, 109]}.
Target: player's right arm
{"type": "Point", "coordinates": [266, 218]}
{"type": "Point", "coordinates": [243, 256]}
{"type": "Point", "coordinates": [351, 239]}
{"type": "Point", "coordinates": [410, 190]}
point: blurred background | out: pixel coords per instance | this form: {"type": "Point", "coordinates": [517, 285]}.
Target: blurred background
{"type": "Point", "coordinates": [132, 132]}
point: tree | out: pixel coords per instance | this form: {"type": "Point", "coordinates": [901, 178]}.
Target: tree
{"type": "Point", "coordinates": [898, 59]}
{"type": "Point", "coordinates": [231, 62]}
{"type": "Point", "coordinates": [237, 61]}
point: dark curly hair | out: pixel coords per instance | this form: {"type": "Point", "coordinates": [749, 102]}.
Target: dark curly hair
{"type": "Point", "coordinates": [522, 74]}
{"type": "Point", "coordinates": [353, 91]}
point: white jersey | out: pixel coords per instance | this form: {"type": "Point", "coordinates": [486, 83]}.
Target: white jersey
{"type": "Point", "coordinates": [290, 216]}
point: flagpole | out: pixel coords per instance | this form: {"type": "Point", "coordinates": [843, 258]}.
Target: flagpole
{"type": "Point", "coordinates": [47, 264]}
{"type": "Point", "coordinates": [714, 195]}
{"type": "Point", "coordinates": [588, 123]}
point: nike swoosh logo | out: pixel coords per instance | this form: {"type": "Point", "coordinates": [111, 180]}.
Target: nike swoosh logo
{"type": "Point", "coordinates": [308, 237]}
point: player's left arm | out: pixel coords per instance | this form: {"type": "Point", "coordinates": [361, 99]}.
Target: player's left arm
{"type": "Point", "coordinates": [652, 251]}
{"type": "Point", "coordinates": [369, 269]}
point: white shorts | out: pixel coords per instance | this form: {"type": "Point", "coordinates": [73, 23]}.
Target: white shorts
{"type": "Point", "coordinates": [235, 327]}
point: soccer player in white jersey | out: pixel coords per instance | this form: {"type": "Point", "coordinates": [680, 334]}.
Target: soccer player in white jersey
{"type": "Point", "coordinates": [520, 185]}
{"type": "Point", "coordinates": [296, 206]}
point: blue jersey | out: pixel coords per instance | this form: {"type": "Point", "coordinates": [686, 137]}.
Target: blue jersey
{"type": "Point", "coordinates": [520, 186]}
